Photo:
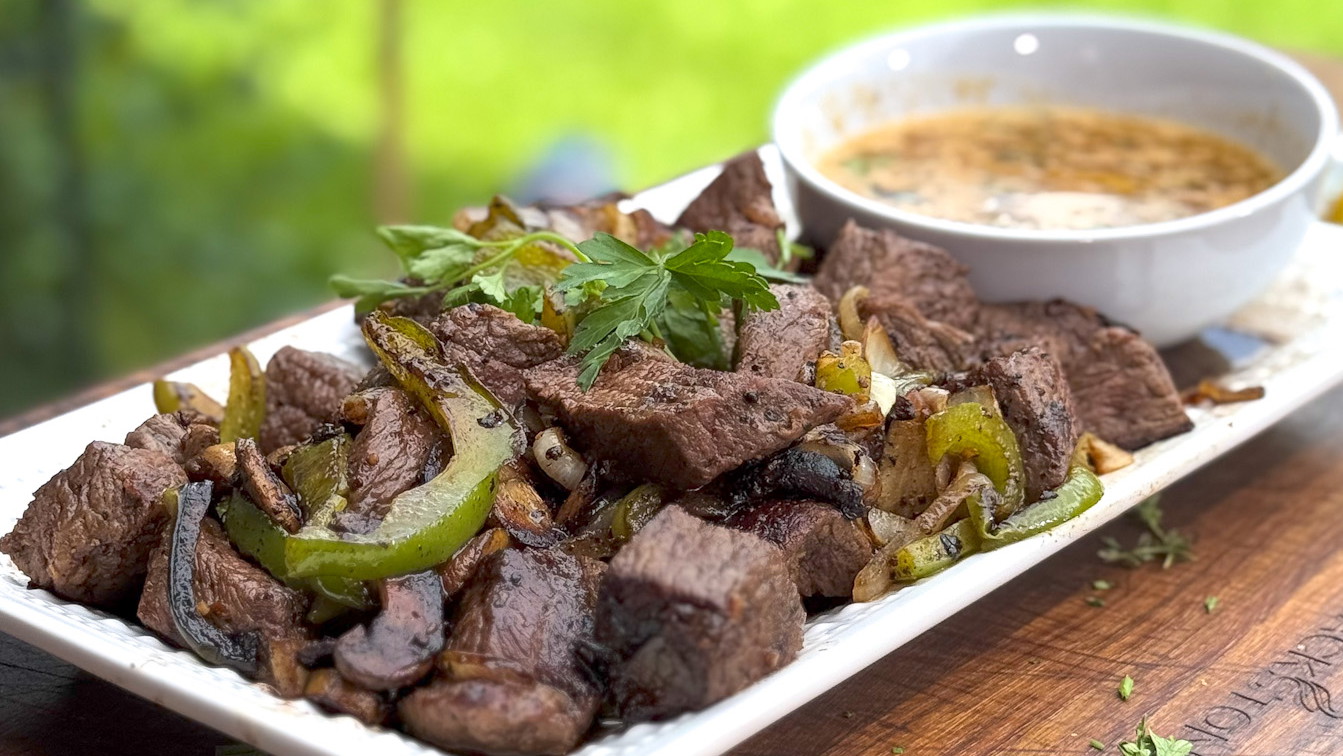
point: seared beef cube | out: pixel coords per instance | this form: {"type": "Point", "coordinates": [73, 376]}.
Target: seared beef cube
{"type": "Point", "coordinates": [1038, 407]}
{"type": "Point", "coordinates": [921, 343]}
{"type": "Point", "coordinates": [393, 450]}
{"type": "Point", "coordinates": [89, 530]}
{"type": "Point", "coordinates": [231, 592]}
{"type": "Point", "coordinates": [180, 435]}
{"type": "Point", "coordinates": [691, 613]}
{"type": "Point", "coordinates": [670, 423]}
{"type": "Point", "coordinates": [888, 264]}
{"type": "Point", "coordinates": [495, 346]}
{"type": "Point", "coordinates": [1121, 388]}
{"type": "Point", "coordinates": [303, 390]}
{"type": "Point", "coordinates": [739, 201]}
{"type": "Point", "coordinates": [824, 550]}
{"type": "Point", "coordinates": [785, 343]}
{"type": "Point", "coordinates": [513, 679]}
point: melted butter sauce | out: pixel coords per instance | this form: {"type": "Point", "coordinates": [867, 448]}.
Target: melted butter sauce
{"type": "Point", "coordinates": [1048, 168]}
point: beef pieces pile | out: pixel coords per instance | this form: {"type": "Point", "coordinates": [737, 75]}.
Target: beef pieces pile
{"type": "Point", "coordinates": [711, 503]}
{"type": "Point", "coordinates": [1120, 389]}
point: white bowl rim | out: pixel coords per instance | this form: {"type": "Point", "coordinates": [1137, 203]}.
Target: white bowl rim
{"type": "Point", "coordinates": [1307, 170]}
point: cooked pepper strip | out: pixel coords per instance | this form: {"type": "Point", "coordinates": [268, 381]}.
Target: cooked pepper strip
{"type": "Point", "coordinates": [846, 372]}
{"type": "Point", "coordinates": [971, 430]}
{"type": "Point", "coordinates": [934, 553]}
{"type": "Point", "coordinates": [257, 536]}
{"type": "Point", "coordinates": [1079, 492]}
{"type": "Point", "coordinates": [246, 406]}
{"type": "Point", "coordinates": [171, 396]}
{"type": "Point", "coordinates": [636, 509]}
{"type": "Point", "coordinates": [238, 651]}
{"type": "Point", "coordinates": [318, 474]}
{"type": "Point", "coordinates": [426, 525]}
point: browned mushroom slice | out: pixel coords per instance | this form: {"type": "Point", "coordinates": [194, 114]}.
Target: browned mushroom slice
{"type": "Point", "coordinates": [265, 488]}
{"type": "Point", "coordinates": [398, 646]}
{"type": "Point", "coordinates": [329, 690]}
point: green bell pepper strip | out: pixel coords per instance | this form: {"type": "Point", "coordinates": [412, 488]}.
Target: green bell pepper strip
{"type": "Point", "coordinates": [970, 430]}
{"type": "Point", "coordinates": [846, 372]}
{"type": "Point", "coordinates": [425, 525]}
{"type": "Point", "coordinates": [246, 406]}
{"type": "Point", "coordinates": [637, 509]}
{"type": "Point", "coordinates": [257, 536]}
{"type": "Point", "coordinates": [932, 554]}
{"type": "Point", "coordinates": [1079, 492]}
{"type": "Point", "coordinates": [171, 396]}
{"type": "Point", "coordinates": [318, 474]}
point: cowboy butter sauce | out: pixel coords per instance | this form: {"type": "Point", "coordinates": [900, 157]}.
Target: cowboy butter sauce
{"type": "Point", "coordinates": [1048, 168]}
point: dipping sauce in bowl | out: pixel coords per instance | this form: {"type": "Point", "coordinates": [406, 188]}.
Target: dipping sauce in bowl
{"type": "Point", "coordinates": [1048, 167]}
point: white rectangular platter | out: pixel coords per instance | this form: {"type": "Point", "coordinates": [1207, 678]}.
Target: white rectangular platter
{"type": "Point", "coordinates": [1288, 342]}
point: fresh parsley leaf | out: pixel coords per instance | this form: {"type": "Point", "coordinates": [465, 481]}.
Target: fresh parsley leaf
{"type": "Point", "coordinates": [757, 259]}
{"type": "Point", "coordinates": [440, 263]}
{"type": "Point", "coordinates": [461, 295]}
{"type": "Point", "coordinates": [371, 293]}
{"type": "Point", "coordinates": [703, 270]}
{"type": "Point", "coordinates": [1125, 688]}
{"type": "Point", "coordinates": [492, 285]}
{"type": "Point", "coordinates": [1158, 543]}
{"type": "Point", "coordinates": [463, 267]}
{"type": "Point", "coordinates": [1101, 585]}
{"type": "Point", "coordinates": [790, 249]}
{"type": "Point", "coordinates": [602, 332]}
{"type": "Point", "coordinates": [693, 335]}
{"type": "Point", "coordinates": [1171, 746]}
{"type": "Point", "coordinates": [409, 242]}
{"type": "Point", "coordinates": [1095, 601]}
{"type": "Point", "coordinates": [613, 262]}
{"type": "Point", "coordinates": [1210, 603]}
{"type": "Point", "coordinates": [630, 291]}
{"type": "Point", "coordinates": [1148, 743]}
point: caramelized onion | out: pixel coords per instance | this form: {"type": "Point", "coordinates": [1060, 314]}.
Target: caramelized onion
{"type": "Point", "coordinates": [850, 324]}
{"type": "Point", "coordinates": [557, 459]}
{"type": "Point", "coordinates": [879, 351]}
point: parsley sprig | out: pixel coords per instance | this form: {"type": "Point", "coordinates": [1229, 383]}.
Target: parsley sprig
{"type": "Point", "coordinates": [454, 263]}
{"type": "Point", "coordinates": [1158, 543]}
{"type": "Point", "coordinates": [1148, 743]}
{"type": "Point", "coordinates": [630, 290]}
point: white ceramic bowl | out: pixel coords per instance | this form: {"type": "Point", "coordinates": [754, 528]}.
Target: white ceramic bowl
{"type": "Point", "coordinates": [1169, 280]}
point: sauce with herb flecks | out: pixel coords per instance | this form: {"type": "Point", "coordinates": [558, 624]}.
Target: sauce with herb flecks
{"type": "Point", "coordinates": [1048, 168]}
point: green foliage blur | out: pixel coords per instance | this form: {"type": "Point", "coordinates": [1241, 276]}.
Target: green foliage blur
{"type": "Point", "coordinates": [176, 171]}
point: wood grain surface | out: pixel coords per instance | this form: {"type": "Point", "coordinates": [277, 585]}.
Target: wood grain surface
{"type": "Point", "coordinates": [1032, 668]}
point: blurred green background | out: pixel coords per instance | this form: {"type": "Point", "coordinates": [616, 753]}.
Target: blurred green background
{"type": "Point", "coordinates": [175, 171]}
